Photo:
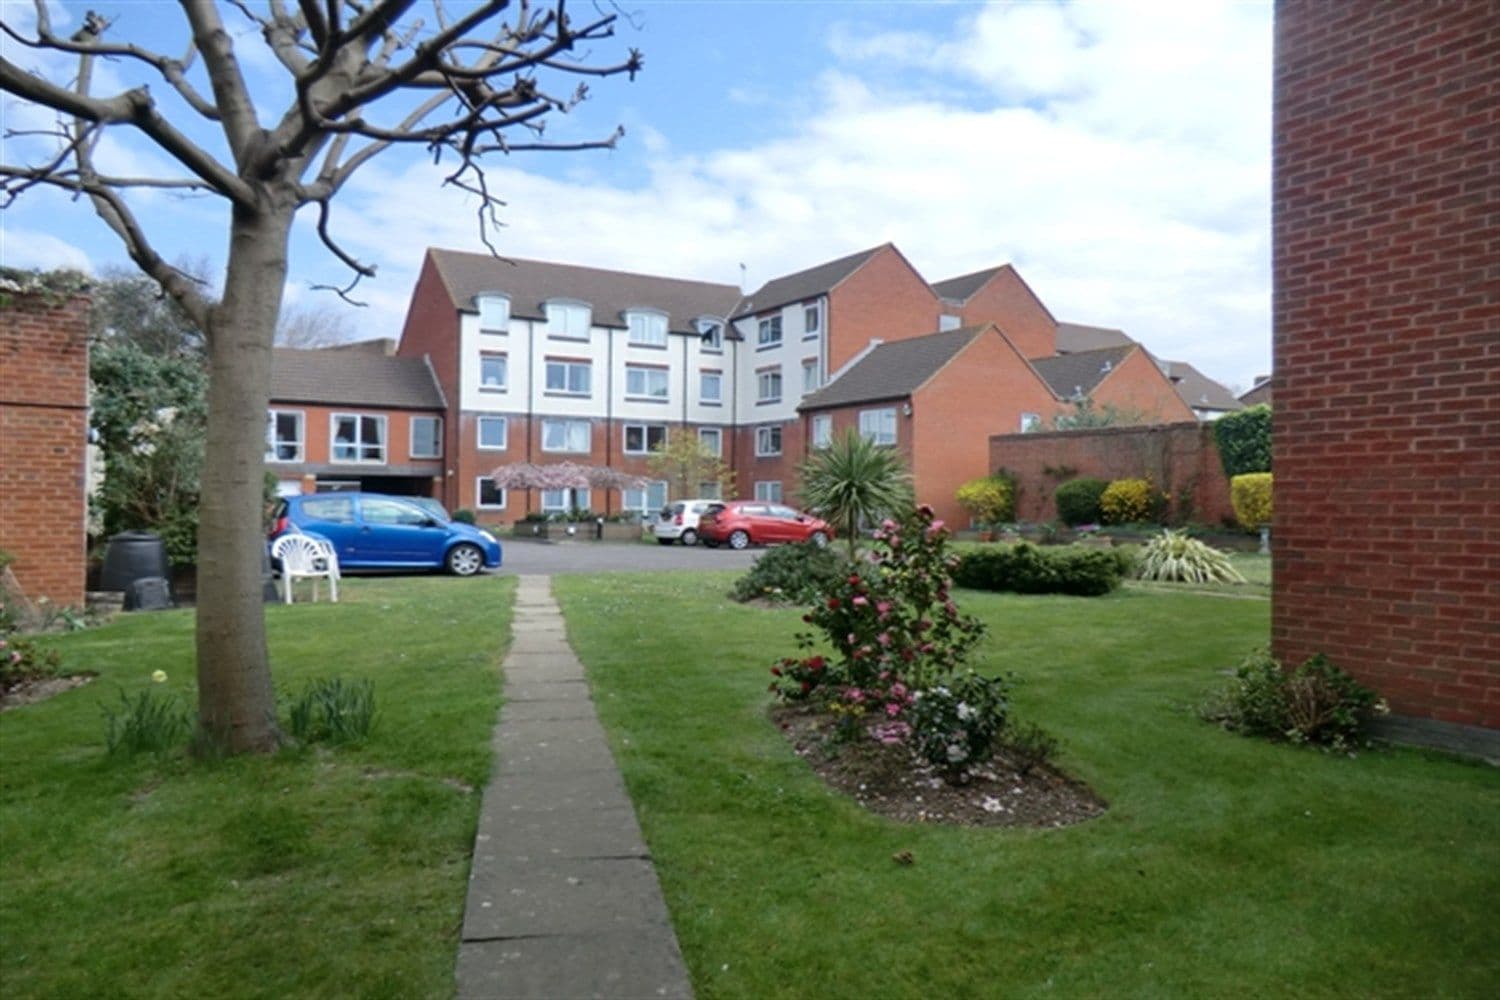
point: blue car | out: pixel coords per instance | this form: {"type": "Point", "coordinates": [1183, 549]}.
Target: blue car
{"type": "Point", "coordinates": [375, 531]}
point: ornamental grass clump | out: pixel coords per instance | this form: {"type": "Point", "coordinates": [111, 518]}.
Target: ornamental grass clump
{"type": "Point", "coordinates": [1174, 557]}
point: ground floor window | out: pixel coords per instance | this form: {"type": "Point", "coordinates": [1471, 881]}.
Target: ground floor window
{"type": "Point", "coordinates": [358, 438]}
{"type": "Point", "coordinates": [564, 501]}
{"type": "Point", "coordinates": [645, 501]}
{"type": "Point", "coordinates": [488, 495]}
{"type": "Point", "coordinates": [768, 490]}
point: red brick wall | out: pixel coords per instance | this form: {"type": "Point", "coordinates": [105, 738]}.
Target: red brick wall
{"type": "Point", "coordinates": [1137, 386]}
{"type": "Point", "coordinates": [885, 298]}
{"type": "Point", "coordinates": [43, 436]}
{"type": "Point", "coordinates": [1386, 260]}
{"type": "Point", "coordinates": [1181, 458]}
{"type": "Point", "coordinates": [431, 330]}
{"type": "Point", "coordinates": [1010, 304]}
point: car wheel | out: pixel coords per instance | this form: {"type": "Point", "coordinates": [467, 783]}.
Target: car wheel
{"type": "Point", "coordinates": [819, 538]}
{"type": "Point", "coordinates": [464, 560]}
{"type": "Point", "coordinates": [690, 537]}
{"type": "Point", "coordinates": [664, 541]}
{"type": "Point", "coordinates": [738, 539]}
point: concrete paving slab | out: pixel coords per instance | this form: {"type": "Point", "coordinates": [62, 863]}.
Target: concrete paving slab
{"type": "Point", "coordinates": [517, 735]}
{"type": "Point", "coordinates": [529, 711]}
{"type": "Point", "coordinates": [559, 758]}
{"type": "Point", "coordinates": [547, 793]}
{"type": "Point", "coordinates": [547, 691]}
{"type": "Point", "coordinates": [522, 835]}
{"type": "Point", "coordinates": [538, 668]}
{"type": "Point", "coordinates": [625, 964]}
{"type": "Point", "coordinates": [563, 896]}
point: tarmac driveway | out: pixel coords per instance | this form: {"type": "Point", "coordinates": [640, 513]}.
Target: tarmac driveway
{"type": "Point", "coordinates": [526, 557]}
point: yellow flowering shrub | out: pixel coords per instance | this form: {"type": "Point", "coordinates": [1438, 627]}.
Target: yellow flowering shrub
{"type": "Point", "coordinates": [1251, 495]}
{"type": "Point", "coordinates": [1127, 501]}
{"type": "Point", "coordinates": [988, 499]}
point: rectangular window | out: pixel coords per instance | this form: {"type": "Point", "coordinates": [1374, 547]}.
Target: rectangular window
{"type": "Point", "coordinates": [1030, 422]}
{"type": "Point", "coordinates": [566, 435]}
{"type": "Point", "coordinates": [647, 501]}
{"type": "Point", "coordinates": [810, 376]}
{"type": "Point", "coordinates": [878, 426]}
{"type": "Point", "coordinates": [568, 320]}
{"type": "Point", "coordinates": [947, 322]}
{"type": "Point", "coordinates": [358, 438]}
{"type": "Point", "coordinates": [822, 430]}
{"type": "Point", "coordinates": [768, 385]}
{"type": "Point", "coordinates": [647, 329]}
{"type": "Point", "coordinates": [810, 320]}
{"type": "Point", "coordinates": [493, 372]}
{"type": "Point", "coordinates": [645, 383]}
{"type": "Point", "coordinates": [767, 441]}
{"type": "Point", "coordinates": [284, 436]}
{"type": "Point", "coordinates": [711, 334]}
{"type": "Point", "coordinates": [768, 333]}
{"type": "Point", "coordinates": [570, 378]}
{"type": "Point", "coordinates": [712, 440]}
{"type": "Point", "coordinates": [494, 433]}
{"type": "Point", "coordinates": [490, 496]}
{"type": "Point", "coordinates": [640, 439]}
{"type": "Point", "coordinates": [769, 491]}
{"type": "Point", "coordinates": [494, 313]}
{"type": "Point", "coordinates": [711, 491]}
{"type": "Point", "coordinates": [710, 387]}
{"type": "Point", "coordinates": [564, 501]}
{"type": "Point", "coordinates": [426, 437]}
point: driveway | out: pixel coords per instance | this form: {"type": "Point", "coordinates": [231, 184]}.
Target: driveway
{"type": "Point", "coordinates": [525, 557]}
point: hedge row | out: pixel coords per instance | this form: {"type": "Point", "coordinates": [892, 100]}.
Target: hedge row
{"type": "Point", "coordinates": [1027, 569]}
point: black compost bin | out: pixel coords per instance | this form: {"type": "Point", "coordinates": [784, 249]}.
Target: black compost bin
{"type": "Point", "coordinates": [132, 556]}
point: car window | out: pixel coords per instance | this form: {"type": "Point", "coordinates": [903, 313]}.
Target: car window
{"type": "Point", "coordinates": [713, 510]}
{"type": "Point", "coordinates": [784, 512]}
{"type": "Point", "coordinates": [392, 512]}
{"type": "Point", "coordinates": [753, 510]}
{"type": "Point", "coordinates": [335, 510]}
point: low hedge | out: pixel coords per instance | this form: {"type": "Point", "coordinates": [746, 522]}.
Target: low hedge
{"type": "Point", "coordinates": [1027, 569]}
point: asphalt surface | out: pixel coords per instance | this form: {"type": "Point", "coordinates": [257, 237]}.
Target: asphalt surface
{"type": "Point", "coordinates": [520, 557]}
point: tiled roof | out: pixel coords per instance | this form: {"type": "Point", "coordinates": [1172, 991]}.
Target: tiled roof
{"type": "Point", "coordinates": [529, 283]}
{"type": "Point", "coordinates": [1071, 375]}
{"type": "Point", "coordinates": [1075, 337]}
{"type": "Point", "coordinates": [961, 288]}
{"type": "Point", "coordinates": [1260, 392]}
{"type": "Point", "coordinates": [893, 370]}
{"type": "Point", "coordinates": [804, 284]}
{"type": "Point", "coordinates": [1197, 389]}
{"type": "Point", "coordinates": [353, 378]}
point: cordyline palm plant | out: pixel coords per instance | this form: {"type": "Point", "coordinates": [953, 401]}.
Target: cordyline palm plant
{"type": "Point", "coordinates": [1173, 556]}
{"type": "Point", "coordinates": [854, 481]}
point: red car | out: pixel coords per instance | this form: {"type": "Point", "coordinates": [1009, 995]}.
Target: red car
{"type": "Point", "coordinates": [738, 523]}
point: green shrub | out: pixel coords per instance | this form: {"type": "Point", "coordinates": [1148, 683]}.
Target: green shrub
{"type": "Point", "coordinates": [331, 710]}
{"type": "Point", "coordinates": [1251, 495]}
{"type": "Point", "coordinates": [21, 659]}
{"type": "Point", "coordinates": [150, 722]}
{"type": "Point", "coordinates": [1027, 569]}
{"type": "Point", "coordinates": [795, 574]}
{"type": "Point", "coordinates": [1316, 703]}
{"type": "Point", "coordinates": [1078, 501]}
{"type": "Point", "coordinates": [958, 724]}
{"type": "Point", "coordinates": [1130, 501]}
{"type": "Point", "coordinates": [463, 515]}
{"type": "Point", "coordinates": [1174, 557]}
{"type": "Point", "coordinates": [1244, 440]}
{"type": "Point", "coordinates": [989, 499]}
{"type": "Point", "coordinates": [1027, 746]}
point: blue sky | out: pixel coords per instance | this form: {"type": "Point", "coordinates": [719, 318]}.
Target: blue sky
{"type": "Point", "coordinates": [1117, 153]}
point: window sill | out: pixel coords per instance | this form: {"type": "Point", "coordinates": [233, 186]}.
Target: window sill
{"type": "Point", "coordinates": [492, 447]}
{"type": "Point", "coordinates": [710, 402]}
{"type": "Point", "coordinates": [556, 394]}
{"type": "Point", "coordinates": [494, 388]}
{"type": "Point", "coordinates": [574, 338]}
{"type": "Point", "coordinates": [646, 347]}
{"type": "Point", "coordinates": [768, 402]}
{"type": "Point", "coordinates": [769, 347]}
{"type": "Point", "coordinates": [647, 399]}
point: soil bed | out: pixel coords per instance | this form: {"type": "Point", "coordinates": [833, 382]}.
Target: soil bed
{"type": "Point", "coordinates": [892, 781]}
{"type": "Point", "coordinates": [30, 692]}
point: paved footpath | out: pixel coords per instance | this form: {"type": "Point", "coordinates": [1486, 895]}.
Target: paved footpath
{"type": "Point", "coordinates": [563, 899]}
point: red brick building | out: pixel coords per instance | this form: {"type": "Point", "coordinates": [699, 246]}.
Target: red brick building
{"type": "Point", "coordinates": [1387, 348]}
{"type": "Point", "coordinates": [44, 359]}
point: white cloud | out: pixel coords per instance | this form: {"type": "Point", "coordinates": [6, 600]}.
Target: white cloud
{"type": "Point", "coordinates": [27, 248]}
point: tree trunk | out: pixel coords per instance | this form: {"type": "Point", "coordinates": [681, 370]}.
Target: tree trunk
{"type": "Point", "coordinates": [236, 704]}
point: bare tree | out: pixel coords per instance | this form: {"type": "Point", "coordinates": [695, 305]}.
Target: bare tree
{"type": "Point", "coordinates": [459, 88]}
{"type": "Point", "coordinates": [313, 325]}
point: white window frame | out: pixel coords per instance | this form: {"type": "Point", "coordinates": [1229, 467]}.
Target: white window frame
{"type": "Point", "coordinates": [479, 503]}
{"type": "Point", "coordinates": [494, 312]}
{"type": "Point", "coordinates": [640, 501]}
{"type": "Point", "coordinates": [568, 367]}
{"type": "Point", "coordinates": [359, 444]}
{"type": "Point", "coordinates": [645, 430]}
{"type": "Point", "coordinates": [1031, 422]}
{"type": "Point", "coordinates": [768, 490]}
{"type": "Point", "coordinates": [810, 380]}
{"type": "Point", "coordinates": [717, 378]}
{"type": "Point", "coordinates": [822, 430]}
{"type": "Point", "coordinates": [763, 441]}
{"type": "Point", "coordinates": [646, 328]}
{"type": "Point", "coordinates": [580, 498]}
{"type": "Point", "coordinates": [504, 382]}
{"type": "Point", "coordinates": [768, 387]}
{"type": "Point", "coordinates": [948, 321]}
{"type": "Point", "coordinates": [273, 443]}
{"type": "Point", "coordinates": [717, 433]}
{"type": "Point", "coordinates": [812, 321]}
{"type": "Point", "coordinates": [568, 426]}
{"type": "Point", "coordinates": [873, 425]}
{"type": "Point", "coordinates": [711, 335]}
{"type": "Point", "coordinates": [768, 333]}
{"type": "Point", "coordinates": [655, 383]}
{"type": "Point", "coordinates": [569, 319]}
{"type": "Point", "coordinates": [411, 437]}
{"type": "Point", "coordinates": [479, 425]}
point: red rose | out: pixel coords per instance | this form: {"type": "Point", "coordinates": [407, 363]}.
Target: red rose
{"type": "Point", "coordinates": [833, 603]}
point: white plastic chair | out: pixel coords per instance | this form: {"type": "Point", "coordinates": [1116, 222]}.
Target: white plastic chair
{"type": "Point", "coordinates": [303, 556]}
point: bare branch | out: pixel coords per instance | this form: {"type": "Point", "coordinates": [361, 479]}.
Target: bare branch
{"type": "Point", "coordinates": [231, 94]}
{"type": "Point", "coordinates": [364, 270]}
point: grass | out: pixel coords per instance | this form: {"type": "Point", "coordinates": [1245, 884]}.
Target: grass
{"type": "Point", "coordinates": [1224, 867]}
{"type": "Point", "coordinates": [312, 872]}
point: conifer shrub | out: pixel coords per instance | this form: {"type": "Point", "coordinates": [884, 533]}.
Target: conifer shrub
{"type": "Point", "coordinates": [1078, 501]}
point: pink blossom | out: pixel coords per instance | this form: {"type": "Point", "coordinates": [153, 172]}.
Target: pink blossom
{"type": "Point", "coordinates": [860, 601]}
{"type": "Point", "coordinates": [884, 607]}
{"type": "Point", "coordinates": [898, 690]}
{"type": "Point", "coordinates": [855, 695]}
{"type": "Point", "coordinates": [884, 638]}
{"type": "Point", "coordinates": [892, 709]}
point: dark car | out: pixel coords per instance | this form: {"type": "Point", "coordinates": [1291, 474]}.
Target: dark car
{"type": "Point", "coordinates": [375, 531]}
{"type": "Point", "coordinates": [738, 523]}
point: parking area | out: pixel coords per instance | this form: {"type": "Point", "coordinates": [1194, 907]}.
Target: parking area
{"type": "Point", "coordinates": [525, 557]}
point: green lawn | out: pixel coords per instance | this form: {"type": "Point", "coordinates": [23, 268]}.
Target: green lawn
{"type": "Point", "coordinates": [1224, 867]}
{"type": "Point", "coordinates": [314, 873]}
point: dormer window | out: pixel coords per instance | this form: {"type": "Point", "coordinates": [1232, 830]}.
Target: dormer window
{"type": "Point", "coordinates": [568, 320]}
{"type": "Point", "coordinates": [711, 333]}
{"type": "Point", "coordinates": [648, 328]}
{"type": "Point", "coordinates": [494, 311]}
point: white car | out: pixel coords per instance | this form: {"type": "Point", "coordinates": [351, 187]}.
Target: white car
{"type": "Point", "coordinates": [678, 521]}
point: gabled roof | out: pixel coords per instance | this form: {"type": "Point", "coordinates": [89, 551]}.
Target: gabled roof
{"type": "Point", "coordinates": [1198, 390]}
{"type": "Point", "coordinates": [1075, 337]}
{"type": "Point", "coordinates": [962, 288]}
{"type": "Point", "coordinates": [894, 370]}
{"type": "Point", "coordinates": [1072, 375]}
{"type": "Point", "coordinates": [1260, 392]}
{"type": "Point", "coordinates": [806, 284]}
{"type": "Point", "coordinates": [529, 283]}
{"type": "Point", "coordinates": [353, 378]}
